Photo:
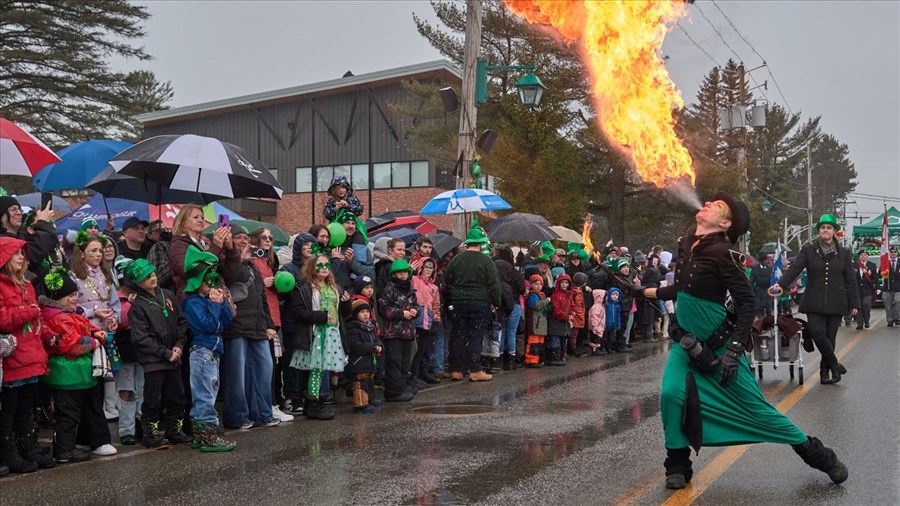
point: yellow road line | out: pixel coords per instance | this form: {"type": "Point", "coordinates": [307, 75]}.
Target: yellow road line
{"type": "Point", "coordinates": [711, 472]}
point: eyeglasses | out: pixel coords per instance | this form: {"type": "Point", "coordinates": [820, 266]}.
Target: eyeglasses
{"type": "Point", "coordinates": [320, 267]}
{"type": "Point", "coordinates": [266, 237]}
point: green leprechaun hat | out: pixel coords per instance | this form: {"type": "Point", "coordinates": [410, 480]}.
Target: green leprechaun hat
{"type": "Point", "coordinates": [199, 266]}
{"type": "Point", "coordinates": [828, 219]}
{"type": "Point", "coordinates": [476, 234]}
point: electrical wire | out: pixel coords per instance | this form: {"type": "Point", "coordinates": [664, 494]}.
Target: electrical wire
{"type": "Point", "coordinates": [686, 34]}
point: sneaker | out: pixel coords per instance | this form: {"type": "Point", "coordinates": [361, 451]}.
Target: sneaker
{"type": "Point", "coordinates": [246, 426]}
{"type": "Point", "coordinates": [76, 455]}
{"type": "Point", "coordinates": [273, 422]}
{"type": "Point", "coordinates": [292, 407]}
{"type": "Point", "coordinates": [480, 376]}
{"type": "Point", "coordinates": [329, 400]}
{"type": "Point", "coordinates": [128, 440]}
{"type": "Point", "coordinates": [105, 450]}
{"type": "Point", "coordinates": [284, 417]}
{"type": "Point", "coordinates": [456, 376]}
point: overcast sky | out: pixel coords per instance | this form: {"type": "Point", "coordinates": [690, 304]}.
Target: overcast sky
{"type": "Point", "coordinates": [840, 60]}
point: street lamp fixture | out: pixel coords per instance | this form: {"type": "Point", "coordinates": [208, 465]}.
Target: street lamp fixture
{"type": "Point", "coordinates": [531, 89]}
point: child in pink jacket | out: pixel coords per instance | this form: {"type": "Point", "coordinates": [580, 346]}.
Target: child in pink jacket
{"type": "Point", "coordinates": [597, 323]}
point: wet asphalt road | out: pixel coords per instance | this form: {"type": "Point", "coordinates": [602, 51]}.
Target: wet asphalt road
{"type": "Point", "coordinates": [587, 433]}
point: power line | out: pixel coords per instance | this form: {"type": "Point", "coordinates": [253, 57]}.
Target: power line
{"type": "Point", "coordinates": [765, 64]}
{"type": "Point", "coordinates": [686, 34]}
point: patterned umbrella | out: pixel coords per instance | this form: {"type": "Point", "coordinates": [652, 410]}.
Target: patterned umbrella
{"type": "Point", "coordinates": [22, 154]}
{"type": "Point", "coordinates": [200, 164]}
{"type": "Point", "coordinates": [465, 200]}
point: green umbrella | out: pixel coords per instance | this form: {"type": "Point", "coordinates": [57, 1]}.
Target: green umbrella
{"type": "Point", "coordinates": [281, 238]}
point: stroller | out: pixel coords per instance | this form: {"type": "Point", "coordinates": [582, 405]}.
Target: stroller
{"type": "Point", "coordinates": [775, 344]}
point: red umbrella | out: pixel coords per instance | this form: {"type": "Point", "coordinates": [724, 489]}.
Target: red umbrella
{"type": "Point", "coordinates": [418, 223]}
{"type": "Point", "coordinates": [22, 154]}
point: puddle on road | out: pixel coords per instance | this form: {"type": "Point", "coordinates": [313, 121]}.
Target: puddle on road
{"type": "Point", "coordinates": [452, 410]}
{"type": "Point", "coordinates": [535, 453]}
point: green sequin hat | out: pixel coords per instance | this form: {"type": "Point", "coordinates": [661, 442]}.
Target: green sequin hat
{"type": "Point", "coordinates": [139, 270]}
{"type": "Point", "coordinates": [199, 266]}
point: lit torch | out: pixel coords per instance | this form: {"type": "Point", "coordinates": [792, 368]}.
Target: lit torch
{"type": "Point", "coordinates": [620, 43]}
{"type": "Point", "coordinates": [586, 233]}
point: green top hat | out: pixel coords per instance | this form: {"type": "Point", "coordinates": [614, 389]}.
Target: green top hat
{"type": "Point", "coordinates": [476, 234]}
{"type": "Point", "coordinates": [828, 219]}
{"type": "Point", "coordinates": [139, 270]}
{"type": "Point", "coordinates": [198, 266]}
{"type": "Point", "coordinates": [400, 266]}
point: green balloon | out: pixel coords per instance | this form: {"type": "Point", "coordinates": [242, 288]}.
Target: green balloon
{"type": "Point", "coordinates": [337, 233]}
{"type": "Point", "coordinates": [475, 169]}
{"type": "Point", "coordinates": [284, 282]}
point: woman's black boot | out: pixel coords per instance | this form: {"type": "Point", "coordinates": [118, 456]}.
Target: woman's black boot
{"type": "Point", "coordinates": [678, 468]}
{"type": "Point", "coordinates": [818, 456]}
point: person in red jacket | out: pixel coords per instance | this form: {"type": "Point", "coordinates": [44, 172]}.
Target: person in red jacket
{"type": "Point", "coordinates": [559, 324]}
{"type": "Point", "coordinates": [70, 338]}
{"type": "Point", "coordinates": [20, 317]}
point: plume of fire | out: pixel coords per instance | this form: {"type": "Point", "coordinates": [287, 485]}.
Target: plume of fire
{"type": "Point", "coordinates": [586, 233]}
{"type": "Point", "coordinates": [620, 44]}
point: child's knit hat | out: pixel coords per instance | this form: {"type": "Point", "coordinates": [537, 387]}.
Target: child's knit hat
{"type": "Point", "coordinates": [59, 284]}
{"type": "Point", "coordinates": [362, 282]}
{"type": "Point", "coordinates": [580, 279]}
{"type": "Point", "coordinates": [536, 278]}
{"type": "Point", "coordinates": [120, 265]}
{"type": "Point", "coordinates": [357, 306]}
{"type": "Point", "coordinates": [88, 222]}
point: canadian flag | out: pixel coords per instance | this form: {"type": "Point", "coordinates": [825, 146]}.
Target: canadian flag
{"type": "Point", "coordinates": [885, 257]}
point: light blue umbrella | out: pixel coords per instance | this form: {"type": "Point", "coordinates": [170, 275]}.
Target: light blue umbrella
{"type": "Point", "coordinates": [81, 162]}
{"type": "Point", "coordinates": [33, 200]}
{"type": "Point", "coordinates": [464, 200]}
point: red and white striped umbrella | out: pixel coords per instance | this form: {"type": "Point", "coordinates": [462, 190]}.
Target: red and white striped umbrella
{"type": "Point", "coordinates": [22, 154]}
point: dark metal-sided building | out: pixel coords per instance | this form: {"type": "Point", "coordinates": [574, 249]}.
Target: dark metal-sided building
{"type": "Point", "coordinates": [309, 133]}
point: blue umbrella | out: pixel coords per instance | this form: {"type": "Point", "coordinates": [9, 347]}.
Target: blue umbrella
{"type": "Point", "coordinates": [81, 162]}
{"type": "Point", "coordinates": [408, 235]}
{"type": "Point", "coordinates": [33, 200]}
{"type": "Point", "coordinates": [464, 200]}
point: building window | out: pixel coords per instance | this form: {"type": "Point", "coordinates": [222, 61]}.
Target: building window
{"type": "Point", "coordinates": [304, 179]}
{"type": "Point", "coordinates": [360, 179]}
{"type": "Point", "coordinates": [418, 174]}
{"type": "Point", "coordinates": [323, 178]}
{"type": "Point", "coordinates": [274, 173]}
{"type": "Point", "coordinates": [400, 175]}
{"type": "Point", "coordinates": [382, 174]}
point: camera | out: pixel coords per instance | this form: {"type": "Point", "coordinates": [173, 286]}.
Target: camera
{"type": "Point", "coordinates": [258, 252]}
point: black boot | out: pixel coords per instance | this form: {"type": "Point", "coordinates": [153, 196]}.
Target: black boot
{"type": "Point", "coordinates": [9, 457]}
{"type": "Point", "coordinates": [4, 470]}
{"type": "Point", "coordinates": [30, 450]}
{"type": "Point", "coordinates": [556, 357]}
{"type": "Point", "coordinates": [506, 361]}
{"type": "Point", "coordinates": [831, 365]}
{"type": "Point", "coordinates": [818, 456]}
{"type": "Point", "coordinates": [678, 468]}
{"type": "Point", "coordinates": [513, 364]}
{"type": "Point", "coordinates": [174, 432]}
{"type": "Point", "coordinates": [153, 434]}
{"type": "Point", "coordinates": [824, 373]}
{"type": "Point", "coordinates": [315, 410]}
{"type": "Point", "coordinates": [63, 456]}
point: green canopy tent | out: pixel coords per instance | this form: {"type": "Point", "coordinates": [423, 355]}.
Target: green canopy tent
{"type": "Point", "coordinates": [872, 229]}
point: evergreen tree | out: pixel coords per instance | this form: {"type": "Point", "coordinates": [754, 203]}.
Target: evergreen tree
{"type": "Point", "coordinates": [55, 77]}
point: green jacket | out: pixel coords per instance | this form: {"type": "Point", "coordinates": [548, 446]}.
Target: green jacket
{"type": "Point", "coordinates": [472, 278]}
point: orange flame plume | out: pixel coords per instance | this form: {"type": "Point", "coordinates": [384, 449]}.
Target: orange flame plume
{"type": "Point", "coordinates": [620, 43]}
{"type": "Point", "coordinates": [586, 233]}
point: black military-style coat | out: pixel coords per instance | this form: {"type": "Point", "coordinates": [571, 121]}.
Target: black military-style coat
{"type": "Point", "coordinates": [709, 269]}
{"type": "Point", "coordinates": [830, 280]}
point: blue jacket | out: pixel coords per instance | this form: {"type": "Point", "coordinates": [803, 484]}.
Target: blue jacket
{"type": "Point", "coordinates": [208, 320]}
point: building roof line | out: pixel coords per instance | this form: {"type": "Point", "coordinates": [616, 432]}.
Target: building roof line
{"type": "Point", "coordinates": [303, 89]}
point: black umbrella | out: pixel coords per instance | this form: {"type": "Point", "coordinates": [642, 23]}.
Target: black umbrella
{"type": "Point", "coordinates": [198, 164]}
{"type": "Point", "coordinates": [111, 184]}
{"type": "Point", "coordinates": [770, 247]}
{"type": "Point", "coordinates": [444, 243]}
{"type": "Point", "coordinates": [408, 235]}
{"type": "Point", "coordinates": [515, 230]}
{"type": "Point", "coordinates": [534, 218]}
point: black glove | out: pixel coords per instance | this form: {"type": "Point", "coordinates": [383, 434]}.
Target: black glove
{"type": "Point", "coordinates": [729, 362]}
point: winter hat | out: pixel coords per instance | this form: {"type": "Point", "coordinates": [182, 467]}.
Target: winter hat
{"type": "Point", "coordinates": [88, 222]}
{"type": "Point", "coordinates": [200, 266]}
{"type": "Point", "coordinates": [357, 306]}
{"type": "Point", "coordinates": [238, 230]}
{"type": "Point", "coordinates": [120, 265]}
{"type": "Point", "coordinates": [531, 271]}
{"type": "Point", "coordinates": [59, 284]}
{"type": "Point", "coordinates": [362, 282]}
{"type": "Point", "coordinates": [563, 277]}
{"type": "Point", "coordinates": [612, 291]}
{"type": "Point", "coordinates": [622, 263]}
{"type": "Point", "coordinates": [400, 266]}
{"type": "Point", "coordinates": [139, 270]}
{"type": "Point", "coordinates": [557, 272]}
{"type": "Point", "coordinates": [476, 234]}
{"type": "Point", "coordinates": [639, 257]}
{"type": "Point", "coordinates": [580, 279]}
{"type": "Point", "coordinates": [536, 278]}
{"type": "Point", "coordinates": [6, 202]}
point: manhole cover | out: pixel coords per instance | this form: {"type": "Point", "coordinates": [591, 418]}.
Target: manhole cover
{"type": "Point", "coordinates": [453, 409]}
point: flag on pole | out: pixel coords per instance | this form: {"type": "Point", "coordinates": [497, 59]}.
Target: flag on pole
{"type": "Point", "coordinates": [885, 266]}
{"type": "Point", "coordinates": [778, 266]}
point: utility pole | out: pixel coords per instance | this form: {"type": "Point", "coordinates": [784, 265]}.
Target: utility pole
{"type": "Point", "coordinates": [809, 188]}
{"type": "Point", "coordinates": [468, 111]}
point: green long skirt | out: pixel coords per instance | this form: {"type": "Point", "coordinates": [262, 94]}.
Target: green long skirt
{"type": "Point", "coordinates": [737, 414]}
